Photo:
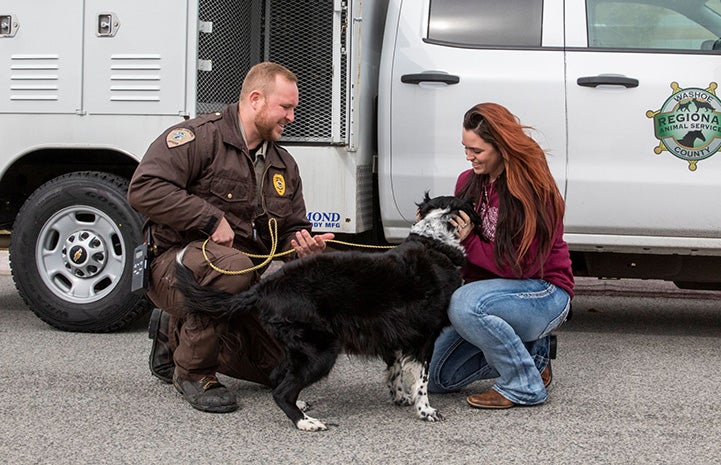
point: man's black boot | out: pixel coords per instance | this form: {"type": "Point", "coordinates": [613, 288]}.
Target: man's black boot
{"type": "Point", "coordinates": [161, 357]}
{"type": "Point", "coordinates": [206, 394]}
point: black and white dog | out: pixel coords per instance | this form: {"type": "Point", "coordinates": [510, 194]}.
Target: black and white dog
{"type": "Point", "coordinates": [390, 305]}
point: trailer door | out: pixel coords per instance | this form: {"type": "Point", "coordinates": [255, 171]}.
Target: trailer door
{"type": "Point", "coordinates": [135, 57]}
{"type": "Point", "coordinates": [40, 56]}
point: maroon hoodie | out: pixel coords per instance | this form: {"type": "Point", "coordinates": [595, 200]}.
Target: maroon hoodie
{"type": "Point", "coordinates": [481, 263]}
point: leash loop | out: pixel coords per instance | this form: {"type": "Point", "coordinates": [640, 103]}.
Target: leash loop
{"type": "Point", "coordinates": [273, 228]}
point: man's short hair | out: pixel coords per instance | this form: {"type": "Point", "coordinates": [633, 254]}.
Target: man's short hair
{"type": "Point", "coordinates": [262, 77]}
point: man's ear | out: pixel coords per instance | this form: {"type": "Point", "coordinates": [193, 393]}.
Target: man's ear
{"type": "Point", "coordinates": [256, 98]}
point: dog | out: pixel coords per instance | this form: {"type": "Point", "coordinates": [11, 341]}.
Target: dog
{"type": "Point", "coordinates": [391, 305]}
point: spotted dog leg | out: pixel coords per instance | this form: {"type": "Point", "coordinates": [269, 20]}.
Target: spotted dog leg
{"type": "Point", "coordinates": [418, 372]}
{"type": "Point", "coordinates": [401, 393]}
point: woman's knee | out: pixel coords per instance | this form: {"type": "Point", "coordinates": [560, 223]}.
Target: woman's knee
{"type": "Point", "coordinates": [467, 302]}
{"type": "Point", "coordinates": [458, 310]}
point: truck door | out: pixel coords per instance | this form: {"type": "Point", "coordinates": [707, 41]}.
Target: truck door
{"type": "Point", "coordinates": [643, 120]}
{"type": "Point", "coordinates": [441, 58]}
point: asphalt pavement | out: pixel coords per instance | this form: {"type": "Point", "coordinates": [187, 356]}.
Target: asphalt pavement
{"type": "Point", "coordinates": [636, 381]}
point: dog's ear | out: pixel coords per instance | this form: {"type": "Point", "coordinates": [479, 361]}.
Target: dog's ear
{"type": "Point", "coordinates": [426, 199]}
{"type": "Point", "coordinates": [424, 205]}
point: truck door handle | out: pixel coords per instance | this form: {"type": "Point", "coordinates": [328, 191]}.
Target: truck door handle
{"type": "Point", "coordinates": [607, 80]}
{"type": "Point", "coordinates": [430, 77]}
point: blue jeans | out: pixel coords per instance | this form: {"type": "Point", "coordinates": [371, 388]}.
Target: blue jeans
{"type": "Point", "coordinates": [501, 330]}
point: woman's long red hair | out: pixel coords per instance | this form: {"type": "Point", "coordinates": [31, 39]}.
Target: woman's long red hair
{"type": "Point", "coordinates": [531, 207]}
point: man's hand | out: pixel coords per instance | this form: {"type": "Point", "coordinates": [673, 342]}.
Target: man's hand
{"type": "Point", "coordinates": [306, 245]}
{"type": "Point", "coordinates": [223, 234]}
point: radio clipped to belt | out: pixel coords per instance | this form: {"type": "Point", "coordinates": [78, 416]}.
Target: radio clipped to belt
{"type": "Point", "coordinates": [142, 256]}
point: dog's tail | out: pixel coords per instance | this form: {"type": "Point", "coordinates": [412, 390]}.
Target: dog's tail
{"type": "Point", "coordinates": [200, 300]}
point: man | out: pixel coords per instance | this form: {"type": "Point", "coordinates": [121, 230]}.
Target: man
{"type": "Point", "coordinates": [220, 176]}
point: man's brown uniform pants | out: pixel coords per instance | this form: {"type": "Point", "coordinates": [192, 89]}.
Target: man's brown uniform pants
{"type": "Point", "coordinates": [201, 346]}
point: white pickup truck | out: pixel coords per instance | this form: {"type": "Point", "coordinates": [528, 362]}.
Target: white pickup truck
{"type": "Point", "coordinates": [621, 94]}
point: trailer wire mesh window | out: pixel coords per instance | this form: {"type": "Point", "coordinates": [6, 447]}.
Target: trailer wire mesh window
{"type": "Point", "coordinates": [307, 36]}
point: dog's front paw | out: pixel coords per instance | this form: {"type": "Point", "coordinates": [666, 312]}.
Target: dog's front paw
{"type": "Point", "coordinates": [310, 424]}
{"type": "Point", "coordinates": [430, 414]}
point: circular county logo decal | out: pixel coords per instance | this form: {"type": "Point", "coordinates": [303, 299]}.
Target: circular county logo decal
{"type": "Point", "coordinates": [688, 125]}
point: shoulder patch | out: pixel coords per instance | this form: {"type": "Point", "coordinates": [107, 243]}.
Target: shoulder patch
{"type": "Point", "coordinates": [179, 137]}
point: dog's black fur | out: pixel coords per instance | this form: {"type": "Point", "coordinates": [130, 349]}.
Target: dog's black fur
{"type": "Point", "coordinates": [390, 305]}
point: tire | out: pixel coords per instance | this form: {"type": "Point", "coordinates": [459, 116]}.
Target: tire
{"type": "Point", "coordinates": [71, 252]}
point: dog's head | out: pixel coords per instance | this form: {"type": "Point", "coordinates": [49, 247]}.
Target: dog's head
{"type": "Point", "coordinates": [447, 208]}
{"type": "Point", "coordinates": [435, 215]}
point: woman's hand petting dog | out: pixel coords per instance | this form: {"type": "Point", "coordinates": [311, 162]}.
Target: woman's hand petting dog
{"type": "Point", "coordinates": [463, 225]}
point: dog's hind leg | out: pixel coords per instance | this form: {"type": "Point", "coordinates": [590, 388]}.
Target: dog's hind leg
{"type": "Point", "coordinates": [289, 388]}
{"type": "Point", "coordinates": [418, 372]}
{"type": "Point", "coordinates": [303, 405]}
{"type": "Point", "coordinates": [278, 374]}
{"type": "Point", "coordinates": [303, 370]}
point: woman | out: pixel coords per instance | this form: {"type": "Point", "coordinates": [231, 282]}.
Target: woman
{"type": "Point", "coordinates": [518, 281]}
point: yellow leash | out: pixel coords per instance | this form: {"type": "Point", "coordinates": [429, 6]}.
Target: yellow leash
{"type": "Point", "coordinates": [273, 228]}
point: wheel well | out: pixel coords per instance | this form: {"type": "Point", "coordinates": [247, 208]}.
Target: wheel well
{"type": "Point", "coordinates": [35, 168]}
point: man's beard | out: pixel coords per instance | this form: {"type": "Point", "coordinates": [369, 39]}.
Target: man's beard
{"type": "Point", "coordinates": [265, 126]}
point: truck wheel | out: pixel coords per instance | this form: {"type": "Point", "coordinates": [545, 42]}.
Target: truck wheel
{"type": "Point", "coordinates": [71, 253]}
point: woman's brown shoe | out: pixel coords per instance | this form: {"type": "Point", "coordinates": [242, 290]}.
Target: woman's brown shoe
{"type": "Point", "coordinates": [547, 375]}
{"type": "Point", "coordinates": [489, 399]}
